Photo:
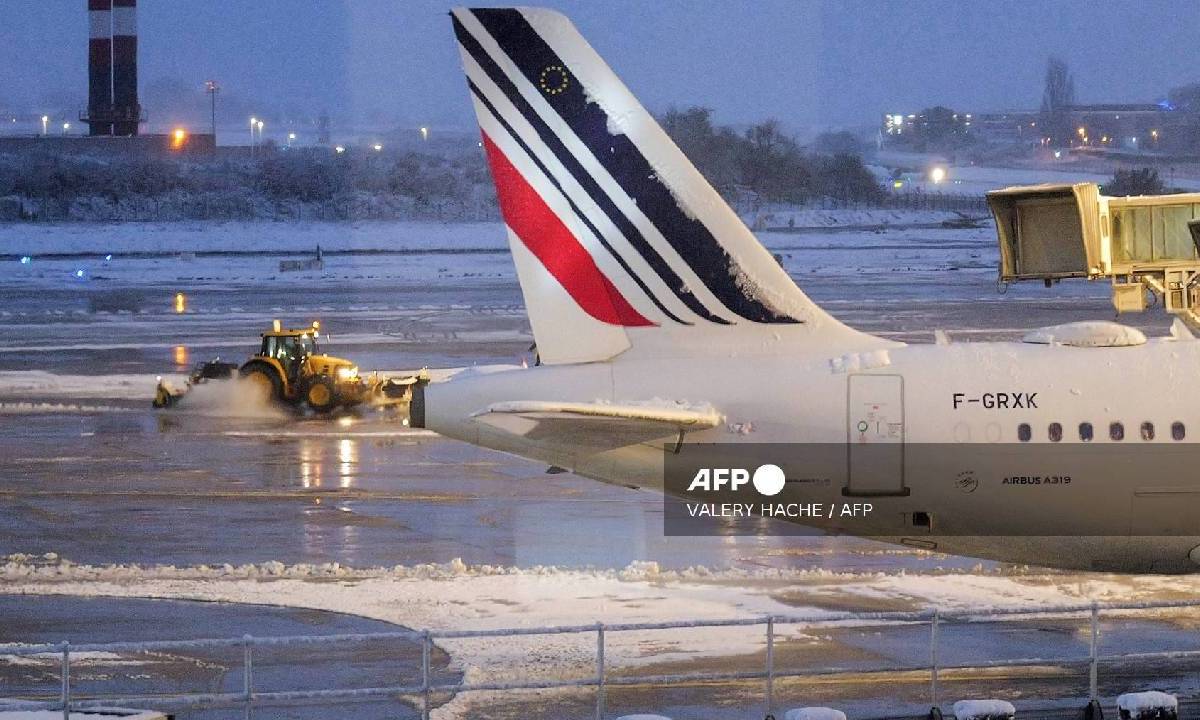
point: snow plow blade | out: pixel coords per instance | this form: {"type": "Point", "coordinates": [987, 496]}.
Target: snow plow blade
{"type": "Point", "coordinates": [390, 391]}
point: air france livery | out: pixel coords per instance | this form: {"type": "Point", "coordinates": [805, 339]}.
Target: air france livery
{"type": "Point", "coordinates": [663, 325]}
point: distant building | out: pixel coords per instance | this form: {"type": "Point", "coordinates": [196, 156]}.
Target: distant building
{"type": "Point", "coordinates": [1148, 127]}
{"type": "Point", "coordinates": [1139, 127]}
{"type": "Point", "coordinates": [160, 146]}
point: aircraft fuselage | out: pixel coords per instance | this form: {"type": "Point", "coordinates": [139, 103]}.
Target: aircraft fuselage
{"type": "Point", "coordinates": [1046, 454]}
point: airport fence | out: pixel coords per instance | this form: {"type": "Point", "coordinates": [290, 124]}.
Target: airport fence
{"type": "Point", "coordinates": [420, 692]}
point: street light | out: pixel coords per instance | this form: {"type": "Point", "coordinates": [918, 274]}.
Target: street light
{"type": "Point", "coordinates": [424, 133]}
{"type": "Point", "coordinates": [377, 147]}
{"type": "Point", "coordinates": [66, 127]}
{"type": "Point", "coordinates": [211, 87]}
{"type": "Point", "coordinates": [291, 137]}
{"type": "Point", "coordinates": [45, 120]}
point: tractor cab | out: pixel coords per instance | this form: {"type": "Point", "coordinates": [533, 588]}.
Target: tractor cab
{"type": "Point", "coordinates": [291, 348]}
{"type": "Point", "coordinates": [286, 347]}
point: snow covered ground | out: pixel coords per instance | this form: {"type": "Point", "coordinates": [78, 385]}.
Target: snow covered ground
{"type": "Point", "coordinates": [291, 237]}
{"type": "Point", "coordinates": [166, 238]}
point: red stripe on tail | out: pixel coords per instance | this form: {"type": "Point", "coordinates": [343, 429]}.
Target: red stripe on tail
{"type": "Point", "coordinates": [527, 215]}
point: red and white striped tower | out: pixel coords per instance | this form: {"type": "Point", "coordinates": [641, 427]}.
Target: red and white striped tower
{"type": "Point", "coordinates": [100, 87]}
{"type": "Point", "coordinates": [127, 111]}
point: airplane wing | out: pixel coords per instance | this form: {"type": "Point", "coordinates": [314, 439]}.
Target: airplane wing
{"type": "Point", "coordinates": [598, 426]}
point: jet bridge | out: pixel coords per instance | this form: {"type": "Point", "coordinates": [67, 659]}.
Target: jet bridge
{"type": "Point", "coordinates": [1145, 246]}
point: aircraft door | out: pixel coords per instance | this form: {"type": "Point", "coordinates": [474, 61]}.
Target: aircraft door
{"type": "Point", "coordinates": [875, 435]}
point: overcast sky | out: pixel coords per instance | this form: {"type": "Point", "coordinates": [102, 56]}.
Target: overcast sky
{"type": "Point", "coordinates": [806, 62]}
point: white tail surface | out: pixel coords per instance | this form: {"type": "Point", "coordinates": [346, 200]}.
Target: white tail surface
{"type": "Point", "coordinates": [618, 240]}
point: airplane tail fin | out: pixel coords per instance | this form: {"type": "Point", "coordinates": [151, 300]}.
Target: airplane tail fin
{"type": "Point", "coordinates": [617, 238]}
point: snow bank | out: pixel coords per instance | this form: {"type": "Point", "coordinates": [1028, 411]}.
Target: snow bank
{"type": "Point", "coordinates": [223, 399]}
{"type": "Point", "coordinates": [847, 217]}
{"type": "Point", "coordinates": [20, 568]}
{"type": "Point", "coordinates": [53, 659]}
{"type": "Point", "coordinates": [38, 383]}
{"type": "Point", "coordinates": [32, 391]}
{"type": "Point", "coordinates": [983, 710]}
{"type": "Point", "coordinates": [814, 713]}
{"type": "Point", "coordinates": [1133, 706]}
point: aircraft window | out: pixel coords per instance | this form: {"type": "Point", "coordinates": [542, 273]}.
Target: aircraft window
{"type": "Point", "coordinates": [1147, 431]}
{"type": "Point", "coordinates": [1085, 432]}
{"type": "Point", "coordinates": [1116, 431]}
{"type": "Point", "coordinates": [1177, 431]}
{"type": "Point", "coordinates": [1055, 432]}
{"type": "Point", "coordinates": [1024, 432]}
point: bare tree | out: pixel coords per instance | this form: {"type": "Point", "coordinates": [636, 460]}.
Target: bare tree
{"type": "Point", "coordinates": [1057, 99]}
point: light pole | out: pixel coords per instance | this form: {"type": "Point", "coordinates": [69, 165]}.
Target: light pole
{"type": "Point", "coordinates": [260, 127]}
{"type": "Point", "coordinates": [291, 137]}
{"type": "Point", "coordinates": [211, 87]}
{"type": "Point", "coordinates": [45, 121]}
{"type": "Point", "coordinates": [424, 133]}
{"type": "Point", "coordinates": [66, 127]}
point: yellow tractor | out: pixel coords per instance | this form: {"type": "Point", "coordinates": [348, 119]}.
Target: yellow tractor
{"type": "Point", "coordinates": [289, 367]}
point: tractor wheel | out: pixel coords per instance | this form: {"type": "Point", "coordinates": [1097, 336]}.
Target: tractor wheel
{"type": "Point", "coordinates": [263, 382]}
{"type": "Point", "coordinates": [320, 394]}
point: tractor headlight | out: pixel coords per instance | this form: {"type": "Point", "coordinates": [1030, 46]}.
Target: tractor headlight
{"type": "Point", "coordinates": [349, 373]}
